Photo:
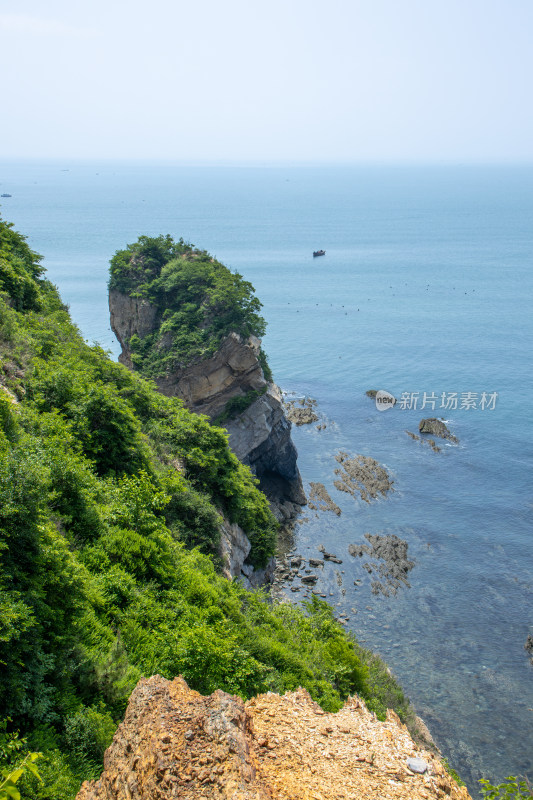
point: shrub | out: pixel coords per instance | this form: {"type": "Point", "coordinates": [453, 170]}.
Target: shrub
{"type": "Point", "coordinates": [191, 516]}
{"type": "Point", "coordinates": [511, 789]}
{"type": "Point", "coordinates": [88, 733]}
{"type": "Point", "coordinates": [236, 405]}
{"type": "Point", "coordinates": [8, 423]}
{"type": "Point", "coordinates": [109, 432]}
{"type": "Point", "coordinates": [10, 777]}
{"type": "Point", "coordinates": [265, 366]}
{"type": "Point", "coordinates": [19, 269]}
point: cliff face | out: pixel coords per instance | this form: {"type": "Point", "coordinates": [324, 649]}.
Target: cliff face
{"type": "Point", "coordinates": [261, 438]}
{"type": "Point", "coordinates": [234, 550]}
{"type": "Point", "coordinates": [206, 386]}
{"type": "Point", "coordinates": [175, 743]}
{"type": "Point", "coordinates": [129, 316]}
{"type": "Point", "coordinates": [261, 435]}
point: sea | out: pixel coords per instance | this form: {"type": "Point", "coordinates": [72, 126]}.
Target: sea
{"type": "Point", "coordinates": [425, 291]}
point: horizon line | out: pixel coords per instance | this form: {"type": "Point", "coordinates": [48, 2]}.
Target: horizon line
{"type": "Point", "coordinates": [274, 162]}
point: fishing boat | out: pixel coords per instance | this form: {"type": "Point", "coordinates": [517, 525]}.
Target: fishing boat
{"type": "Point", "coordinates": [318, 253]}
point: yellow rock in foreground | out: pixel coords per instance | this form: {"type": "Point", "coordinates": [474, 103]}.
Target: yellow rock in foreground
{"type": "Point", "coordinates": [175, 743]}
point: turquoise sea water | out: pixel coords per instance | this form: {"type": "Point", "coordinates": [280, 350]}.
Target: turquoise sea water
{"type": "Point", "coordinates": [426, 286]}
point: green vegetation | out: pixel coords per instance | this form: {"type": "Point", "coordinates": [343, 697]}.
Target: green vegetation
{"type": "Point", "coordinates": [238, 404]}
{"type": "Point", "coordinates": [9, 780]}
{"type": "Point", "coordinates": [111, 497]}
{"type": "Point", "coordinates": [457, 778]}
{"type": "Point", "coordinates": [511, 789]}
{"type": "Point", "coordinates": [15, 762]}
{"type": "Point", "coordinates": [19, 269]}
{"type": "Point", "coordinates": [199, 301]}
{"type": "Point", "coordinates": [267, 372]}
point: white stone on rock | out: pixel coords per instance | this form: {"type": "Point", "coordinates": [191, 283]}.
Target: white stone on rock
{"type": "Point", "coordinates": [417, 765]}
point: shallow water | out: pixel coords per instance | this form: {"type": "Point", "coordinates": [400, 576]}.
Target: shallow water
{"type": "Point", "coordinates": [426, 286]}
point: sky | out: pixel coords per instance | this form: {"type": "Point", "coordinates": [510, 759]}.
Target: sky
{"type": "Point", "coordinates": [272, 81]}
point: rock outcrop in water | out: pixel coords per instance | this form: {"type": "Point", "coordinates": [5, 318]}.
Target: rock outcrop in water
{"type": "Point", "coordinates": [320, 500]}
{"type": "Point", "coordinates": [301, 412]}
{"type": "Point", "coordinates": [430, 442]}
{"type": "Point", "coordinates": [528, 647]}
{"type": "Point", "coordinates": [436, 427]}
{"type": "Point", "coordinates": [175, 743]}
{"type": "Point", "coordinates": [362, 476]}
{"type": "Point", "coordinates": [260, 436]}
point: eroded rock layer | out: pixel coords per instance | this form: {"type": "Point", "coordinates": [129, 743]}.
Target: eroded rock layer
{"type": "Point", "coordinates": [175, 743]}
{"type": "Point", "coordinates": [206, 386]}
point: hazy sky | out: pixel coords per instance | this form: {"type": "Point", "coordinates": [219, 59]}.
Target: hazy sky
{"type": "Point", "coordinates": [335, 80]}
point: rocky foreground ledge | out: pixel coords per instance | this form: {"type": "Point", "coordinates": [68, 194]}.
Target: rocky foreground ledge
{"type": "Point", "coordinates": [175, 743]}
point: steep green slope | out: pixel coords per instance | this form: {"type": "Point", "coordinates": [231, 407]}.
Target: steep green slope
{"type": "Point", "coordinates": [110, 501]}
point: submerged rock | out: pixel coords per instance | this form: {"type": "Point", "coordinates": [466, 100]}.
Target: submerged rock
{"type": "Point", "coordinates": [430, 442]}
{"type": "Point", "coordinates": [331, 557]}
{"type": "Point", "coordinates": [394, 568]}
{"type": "Point", "coordinates": [320, 499]}
{"type": "Point", "coordinates": [358, 549]}
{"type": "Point", "coordinates": [362, 476]}
{"type": "Point", "coordinates": [528, 647]}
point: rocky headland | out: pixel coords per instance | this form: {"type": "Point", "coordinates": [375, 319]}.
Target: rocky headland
{"type": "Point", "coordinates": [176, 743]}
{"type": "Point", "coordinates": [189, 324]}
{"type": "Point", "coordinates": [126, 517]}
